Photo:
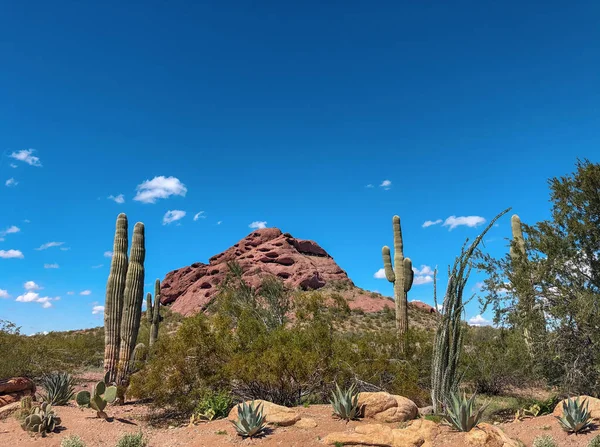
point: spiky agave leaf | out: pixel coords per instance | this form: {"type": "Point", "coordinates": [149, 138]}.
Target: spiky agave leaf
{"type": "Point", "coordinates": [250, 421]}
{"type": "Point", "coordinates": [460, 414]}
{"type": "Point", "coordinates": [59, 388]}
{"type": "Point", "coordinates": [576, 416]}
{"type": "Point", "coordinates": [345, 403]}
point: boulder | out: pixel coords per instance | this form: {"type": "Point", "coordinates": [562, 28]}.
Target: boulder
{"type": "Point", "coordinates": [385, 407]}
{"type": "Point", "coordinates": [419, 433]}
{"type": "Point", "coordinates": [16, 384]}
{"type": "Point", "coordinates": [592, 402]}
{"type": "Point", "coordinates": [486, 435]}
{"type": "Point", "coordinates": [274, 414]}
{"type": "Point", "coordinates": [306, 423]}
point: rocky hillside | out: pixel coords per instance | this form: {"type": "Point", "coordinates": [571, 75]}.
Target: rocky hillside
{"type": "Point", "coordinates": [299, 263]}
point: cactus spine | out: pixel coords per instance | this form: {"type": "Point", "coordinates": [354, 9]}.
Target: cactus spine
{"type": "Point", "coordinates": [401, 275]}
{"type": "Point", "coordinates": [132, 303]}
{"type": "Point", "coordinates": [113, 307]}
{"type": "Point", "coordinates": [155, 314]}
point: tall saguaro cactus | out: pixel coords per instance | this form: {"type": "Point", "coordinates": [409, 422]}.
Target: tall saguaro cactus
{"type": "Point", "coordinates": [123, 306]}
{"type": "Point", "coordinates": [155, 311]}
{"type": "Point", "coordinates": [113, 306]}
{"type": "Point", "coordinates": [401, 275]}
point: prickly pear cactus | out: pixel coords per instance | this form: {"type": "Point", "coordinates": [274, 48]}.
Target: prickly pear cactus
{"type": "Point", "coordinates": [99, 398]}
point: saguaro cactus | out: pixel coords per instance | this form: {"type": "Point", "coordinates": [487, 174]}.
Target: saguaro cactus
{"type": "Point", "coordinates": [400, 274]}
{"type": "Point", "coordinates": [156, 318]}
{"type": "Point", "coordinates": [113, 306]}
{"type": "Point", "coordinates": [132, 302]}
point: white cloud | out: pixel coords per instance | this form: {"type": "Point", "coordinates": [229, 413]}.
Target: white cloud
{"type": "Point", "coordinates": [258, 224]}
{"type": "Point", "coordinates": [119, 199]}
{"type": "Point", "coordinates": [478, 286]}
{"type": "Point", "coordinates": [31, 285]}
{"type": "Point", "coordinates": [26, 156]}
{"type": "Point", "coordinates": [370, 185]}
{"type": "Point", "coordinates": [469, 221]}
{"type": "Point", "coordinates": [34, 297]}
{"type": "Point", "coordinates": [199, 215]}
{"type": "Point", "coordinates": [219, 222]}
{"type": "Point", "coordinates": [159, 188]}
{"type": "Point", "coordinates": [48, 245]}
{"type": "Point", "coordinates": [11, 182]}
{"type": "Point", "coordinates": [108, 254]}
{"type": "Point", "coordinates": [12, 165]}
{"type": "Point", "coordinates": [10, 230]}
{"type": "Point", "coordinates": [440, 307]}
{"type": "Point", "coordinates": [172, 216]}
{"type": "Point", "coordinates": [97, 310]}
{"type": "Point", "coordinates": [379, 274]}
{"type": "Point", "coordinates": [85, 292]}
{"type": "Point", "coordinates": [65, 248]}
{"type": "Point", "coordinates": [479, 321]}
{"type": "Point", "coordinates": [51, 266]}
{"type": "Point", "coordinates": [70, 293]}
{"type": "Point", "coordinates": [429, 223]}
{"type": "Point", "coordinates": [386, 184]}
{"type": "Point", "coordinates": [424, 275]}
{"type": "Point", "coordinates": [4, 293]}
{"type": "Point", "coordinates": [27, 221]}
{"type": "Point", "coordinates": [97, 266]}
{"type": "Point", "coordinates": [7, 254]}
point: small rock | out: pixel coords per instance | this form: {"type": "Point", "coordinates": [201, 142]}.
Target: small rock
{"type": "Point", "coordinates": [274, 414]}
{"type": "Point", "coordinates": [306, 423]}
{"type": "Point", "coordinates": [426, 411]}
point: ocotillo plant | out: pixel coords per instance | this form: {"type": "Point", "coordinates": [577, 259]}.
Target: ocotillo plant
{"type": "Point", "coordinates": [400, 274]}
{"type": "Point", "coordinates": [123, 307]}
{"type": "Point", "coordinates": [154, 311]}
{"type": "Point", "coordinates": [447, 347]}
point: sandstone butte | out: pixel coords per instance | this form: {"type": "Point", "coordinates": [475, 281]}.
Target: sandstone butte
{"type": "Point", "coordinates": [299, 263]}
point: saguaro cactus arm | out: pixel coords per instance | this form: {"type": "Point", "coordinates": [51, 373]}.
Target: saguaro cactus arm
{"type": "Point", "coordinates": [155, 314]}
{"type": "Point", "coordinates": [387, 264]}
{"type": "Point", "coordinates": [149, 307]}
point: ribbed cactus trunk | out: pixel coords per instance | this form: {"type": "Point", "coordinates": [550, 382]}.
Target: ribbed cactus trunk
{"type": "Point", "coordinates": [155, 314]}
{"type": "Point", "coordinates": [401, 275]}
{"type": "Point", "coordinates": [132, 303]}
{"type": "Point", "coordinates": [149, 307]}
{"type": "Point", "coordinates": [113, 306]}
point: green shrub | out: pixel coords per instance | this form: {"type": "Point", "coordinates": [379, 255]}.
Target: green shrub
{"type": "Point", "coordinates": [576, 416]}
{"type": "Point", "coordinates": [250, 421]}
{"type": "Point", "coordinates": [72, 441]}
{"type": "Point", "coordinates": [460, 412]}
{"type": "Point", "coordinates": [345, 403]}
{"type": "Point", "coordinates": [594, 442]}
{"type": "Point", "coordinates": [544, 441]}
{"type": "Point", "coordinates": [214, 405]}
{"type": "Point", "coordinates": [132, 440]}
{"type": "Point", "coordinates": [59, 388]}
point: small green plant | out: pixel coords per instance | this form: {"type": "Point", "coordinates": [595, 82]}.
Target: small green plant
{"type": "Point", "coordinates": [544, 441]}
{"type": "Point", "coordinates": [72, 441]}
{"type": "Point", "coordinates": [101, 396]}
{"type": "Point", "coordinates": [250, 421]}
{"type": "Point", "coordinates": [41, 420]}
{"type": "Point", "coordinates": [214, 405]}
{"type": "Point", "coordinates": [132, 440]}
{"type": "Point", "coordinates": [594, 442]}
{"type": "Point", "coordinates": [25, 409]}
{"type": "Point", "coordinates": [59, 388]}
{"type": "Point", "coordinates": [338, 444]}
{"type": "Point", "coordinates": [345, 403]}
{"type": "Point", "coordinates": [221, 432]}
{"type": "Point", "coordinates": [576, 416]}
{"type": "Point", "coordinates": [460, 413]}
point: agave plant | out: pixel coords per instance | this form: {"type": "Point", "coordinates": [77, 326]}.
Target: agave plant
{"type": "Point", "coordinates": [345, 403]}
{"type": "Point", "coordinates": [41, 420]}
{"type": "Point", "coordinates": [100, 397]}
{"type": "Point", "coordinates": [250, 421]}
{"type": "Point", "coordinates": [460, 413]}
{"type": "Point", "coordinates": [576, 416]}
{"type": "Point", "coordinates": [59, 387]}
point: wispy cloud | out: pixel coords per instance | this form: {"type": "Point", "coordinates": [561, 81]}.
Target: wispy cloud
{"type": "Point", "coordinates": [424, 275]}
{"type": "Point", "coordinates": [31, 285]}
{"type": "Point", "coordinates": [11, 182]}
{"type": "Point", "coordinates": [51, 266]}
{"type": "Point", "coordinates": [199, 215]}
{"type": "Point", "coordinates": [173, 216]}
{"type": "Point", "coordinates": [370, 185]}
{"type": "Point", "coordinates": [479, 321]}
{"type": "Point", "coordinates": [4, 293]}
{"type": "Point", "coordinates": [10, 230]}
{"type": "Point", "coordinates": [35, 297]}
{"type": "Point", "coordinates": [219, 222]}
{"type": "Point", "coordinates": [119, 199]}
{"type": "Point", "coordinates": [97, 310]}
{"type": "Point", "coordinates": [48, 245]}
{"type": "Point", "coordinates": [108, 254]}
{"type": "Point", "coordinates": [97, 266]}
{"type": "Point", "coordinates": [478, 286]}
{"type": "Point", "coordinates": [379, 274]}
{"type": "Point", "coordinates": [85, 292]}
{"type": "Point", "coordinates": [13, 165]}
{"type": "Point", "coordinates": [469, 221]}
{"type": "Point", "coordinates": [159, 188]}
{"type": "Point", "coordinates": [386, 184]}
{"type": "Point", "coordinates": [26, 156]}
{"type": "Point", "coordinates": [71, 293]}
{"type": "Point", "coordinates": [8, 254]}
{"type": "Point", "coordinates": [65, 248]}
{"type": "Point", "coordinates": [429, 223]}
{"type": "Point", "coordinates": [258, 224]}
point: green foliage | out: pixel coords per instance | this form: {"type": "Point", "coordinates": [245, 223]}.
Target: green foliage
{"type": "Point", "coordinates": [345, 403]}
{"type": "Point", "coordinates": [250, 421]}
{"type": "Point", "coordinates": [132, 440]}
{"type": "Point", "coordinates": [544, 441]}
{"type": "Point", "coordinates": [42, 420]}
{"type": "Point", "coordinates": [594, 442]}
{"type": "Point", "coordinates": [460, 412]}
{"type": "Point", "coordinates": [575, 416]}
{"type": "Point", "coordinates": [99, 398]}
{"type": "Point", "coordinates": [72, 441]}
{"type": "Point", "coordinates": [214, 405]}
{"type": "Point", "coordinates": [59, 388]}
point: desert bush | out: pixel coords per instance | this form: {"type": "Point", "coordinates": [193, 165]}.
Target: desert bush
{"type": "Point", "coordinates": [544, 441]}
{"type": "Point", "coordinates": [72, 441]}
{"type": "Point", "coordinates": [59, 388]}
{"type": "Point", "coordinates": [132, 440]}
{"type": "Point", "coordinates": [594, 442]}
{"type": "Point", "coordinates": [214, 405]}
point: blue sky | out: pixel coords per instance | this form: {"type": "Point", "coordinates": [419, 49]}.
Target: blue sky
{"type": "Point", "coordinates": [278, 113]}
